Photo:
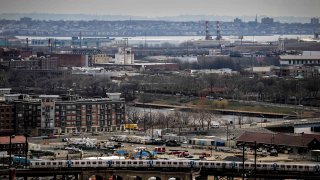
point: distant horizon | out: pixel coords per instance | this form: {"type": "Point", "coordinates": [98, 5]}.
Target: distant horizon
{"type": "Point", "coordinates": [182, 17]}
{"type": "Point", "coordinates": [166, 8]}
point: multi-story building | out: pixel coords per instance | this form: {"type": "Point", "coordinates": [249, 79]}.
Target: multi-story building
{"type": "Point", "coordinates": [89, 53]}
{"type": "Point", "coordinates": [71, 60]}
{"type": "Point", "coordinates": [18, 144]}
{"type": "Point", "coordinates": [237, 21]}
{"type": "Point", "coordinates": [314, 20]}
{"type": "Point", "coordinates": [267, 20]}
{"type": "Point", "coordinates": [4, 91]}
{"type": "Point", "coordinates": [50, 43]}
{"type": "Point", "coordinates": [306, 58]}
{"type": "Point", "coordinates": [50, 114]}
{"type": "Point", "coordinates": [47, 110]}
{"type": "Point", "coordinates": [299, 71]}
{"type": "Point", "coordinates": [91, 42]}
{"type": "Point", "coordinates": [7, 118]}
{"type": "Point", "coordinates": [100, 59]}
{"type": "Point", "coordinates": [42, 63]}
{"type": "Point", "coordinates": [124, 56]}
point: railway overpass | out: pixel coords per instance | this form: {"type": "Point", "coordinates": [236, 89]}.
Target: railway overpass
{"type": "Point", "coordinates": [164, 173]}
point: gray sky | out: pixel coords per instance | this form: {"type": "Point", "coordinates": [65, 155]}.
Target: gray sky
{"type": "Point", "coordinates": [156, 8]}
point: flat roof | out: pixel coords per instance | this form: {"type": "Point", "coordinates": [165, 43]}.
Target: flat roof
{"type": "Point", "coordinates": [49, 96]}
{"type": "Point", "coordinates": [14, 139]}
{"type": "Point", "coordinates": [12, 94]}
{"type": "Point", "coordinates": [5, 89]}
{"type": "Point", "coordinates": [298, 57]}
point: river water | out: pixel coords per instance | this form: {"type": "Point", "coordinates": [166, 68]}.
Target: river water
{"type": "Point", "coordinates": [158, 40]}
{"type": "Point", "coordinates": [221, 119]}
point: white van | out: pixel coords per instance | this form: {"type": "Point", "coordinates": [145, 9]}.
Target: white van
{"type": "Point", "coordinates": [215, 125]}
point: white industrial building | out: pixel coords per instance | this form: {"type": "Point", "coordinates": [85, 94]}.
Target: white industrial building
{"type": "Point", "coordinates": [306, 58]}
{"type": "Point", "coordinates": [124, 56]}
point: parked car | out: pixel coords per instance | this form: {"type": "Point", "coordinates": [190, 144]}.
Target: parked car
{"type": "Point", "coordinates": [160, 150]}
{"type": "Point", "coordinates": [172, 143]}
{"type": "Point", "coordinates": [273, 152]}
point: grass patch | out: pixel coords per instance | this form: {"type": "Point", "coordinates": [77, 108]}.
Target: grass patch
{"type": "Point", "coordinates": [216, 104]}
{"type": "Point", "coordinates": [242, 106]}
{"type": "Point", "coordinates": [159, 99]}
{"type": "Point", "coordinates": [259, 108]}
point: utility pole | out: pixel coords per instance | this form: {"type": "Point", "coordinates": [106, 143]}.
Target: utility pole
{"type": "Point", "coordinates": [255, 159]}
{"type": "Point", "coordinates": [151, 124]}
{"type": "Point", "coordinates": [144, 119]}
{"type": "Point", "coordinates": [26, 148]}
{"type": "Point", "coordinates": [243, 145]}
{"type": "Point", "coordinates": [10, 150]}
{"type": "Point", "coordinates": [228, 133]}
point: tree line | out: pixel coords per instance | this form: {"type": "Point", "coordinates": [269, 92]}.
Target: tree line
{"type": "Point", "coordinates": [238, 87]}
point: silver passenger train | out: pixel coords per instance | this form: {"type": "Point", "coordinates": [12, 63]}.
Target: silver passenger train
{"type": "Point", "coordinates": [174, 164]}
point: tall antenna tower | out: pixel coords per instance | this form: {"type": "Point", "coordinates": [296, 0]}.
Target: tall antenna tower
{"type": "Point", "coordinates": [208, 37]}
{"type": "Point", "coordinates": [219, 37]}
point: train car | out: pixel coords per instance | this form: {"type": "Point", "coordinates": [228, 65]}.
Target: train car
{"type": "Point", "coordinates": [20, 160]}
{"type": "Point", "coordinates": [248, 166]}
{"type": "Point", "coordinates": [88, 163]}
{"type": "Point", "coordinates": [48, 164]}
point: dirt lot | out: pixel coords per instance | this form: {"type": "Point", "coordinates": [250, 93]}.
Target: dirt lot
{"type": "Point", "coordinates": [219, 154]}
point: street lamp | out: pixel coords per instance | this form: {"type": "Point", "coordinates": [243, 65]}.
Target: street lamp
{"type": "Point", "coordinates": [10, 149]}
{"type": "Point", "coordinates": [26, 148]}
{"type": "Point", "coordinates": [262, 117]}
{"type": "Point", "coordinates": [243, 154]}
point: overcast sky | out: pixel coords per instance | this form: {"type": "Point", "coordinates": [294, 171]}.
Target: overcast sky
{"type": "Point", "coordinates": [156, 8]}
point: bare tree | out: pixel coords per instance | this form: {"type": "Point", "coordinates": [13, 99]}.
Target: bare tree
{"type": "Point", "coordinates": [211, 117]}
{"type": "Point", "coordinates": [203, 115]}
{"type": "Point", "coordinates": [208, 120]}
{"type": "Point", "coordinates": [185, 119]}
{"type": "Point", "coordinates": [195, 118]}
{"type": "Point", "coordinates": [175, 117]}
{"type": "Point", "coordinates": [133, 115]}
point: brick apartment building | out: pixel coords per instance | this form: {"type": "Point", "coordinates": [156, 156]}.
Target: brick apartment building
{"type": "Point", "coordinates": [18, 144]}
{"type": "Point", "coordinates": [52, 114]}
{"type": "Point", "coordinates": [71, 60]}
{"type": "Point", "coordinates": [299, 71]}
{"type": "Point", "coordinates": [7, 118]}
{"type": "Point", "coordinates": [31, 64]}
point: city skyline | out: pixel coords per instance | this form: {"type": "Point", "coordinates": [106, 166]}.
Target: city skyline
{"type": "Point", "coordinates": [156, 8]}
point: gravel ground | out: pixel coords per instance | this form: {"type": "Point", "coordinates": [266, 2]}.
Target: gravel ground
{"type": "Point", "coordinates": [218, 154]}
